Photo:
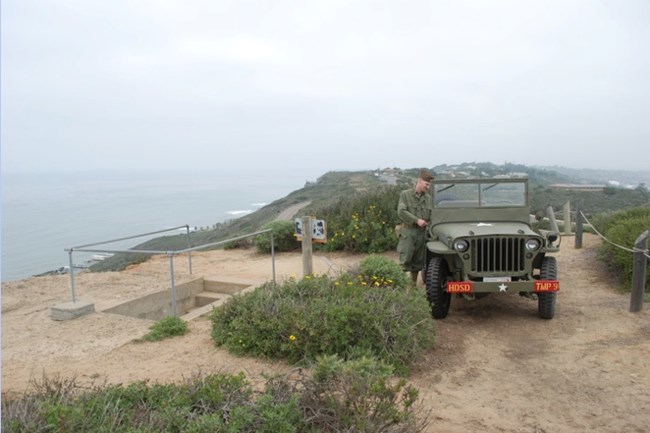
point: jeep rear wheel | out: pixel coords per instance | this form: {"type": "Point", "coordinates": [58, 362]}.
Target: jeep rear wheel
{"type": "Point", "coordinates": [546, 301]}
{"type": "Point", "coordinates": [439, 300]}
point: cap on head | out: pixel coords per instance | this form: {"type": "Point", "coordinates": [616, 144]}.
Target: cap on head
{"type": "Point", "coordinates": [425, 175]}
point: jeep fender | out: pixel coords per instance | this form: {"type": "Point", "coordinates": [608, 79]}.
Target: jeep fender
{"type": "Point", "coordinates": [438, 247]}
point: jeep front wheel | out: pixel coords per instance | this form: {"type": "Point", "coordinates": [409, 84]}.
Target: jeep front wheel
{"type": "Point", "coordinates": [439, 300]}
{"type": "Point", "coordinates": [546, 301]}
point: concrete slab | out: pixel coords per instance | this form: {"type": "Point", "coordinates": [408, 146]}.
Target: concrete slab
{"type": "Point", "coordinates": [71, 310]}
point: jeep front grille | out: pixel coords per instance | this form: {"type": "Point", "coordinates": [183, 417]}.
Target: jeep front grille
{"type": "Point", "coordinates": [497, 254]}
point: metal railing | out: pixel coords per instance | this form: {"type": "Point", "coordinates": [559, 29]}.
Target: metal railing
{"type": "Point", "coordinates": [170, 253]}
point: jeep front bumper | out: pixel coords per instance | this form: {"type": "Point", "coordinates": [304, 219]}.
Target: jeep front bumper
{"type": "Point", "coordinates": [532, 286]}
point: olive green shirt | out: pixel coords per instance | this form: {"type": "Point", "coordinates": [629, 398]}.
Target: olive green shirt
{"type": "Point", "coordinates": [412, 207]}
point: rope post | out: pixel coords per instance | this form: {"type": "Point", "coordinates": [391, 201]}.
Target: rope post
{"type": "Point", "coordinates": [567, 218]}
{"type": "Point", "coordinates": [639, 272]}
{"type": "Point", "coordinates": [578, 243]}
{"type": "Point", "coordinates": [307, 264]}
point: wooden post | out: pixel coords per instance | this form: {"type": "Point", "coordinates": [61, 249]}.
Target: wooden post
{"type": "Point", "coordinates": [639, 272]}
{"type": "Point", "coordinates": [307, 263]}
{"type": "Point", "coordinates": [578, 244]}
{"type": "Point", "coordinates": [567, 218]}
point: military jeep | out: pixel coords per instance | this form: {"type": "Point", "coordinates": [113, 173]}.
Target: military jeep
{"type": "Point", "coordinates": [481, 241]}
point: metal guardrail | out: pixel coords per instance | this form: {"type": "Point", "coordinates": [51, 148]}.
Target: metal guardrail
{"type": "Point", "coordinates": [170, 253]}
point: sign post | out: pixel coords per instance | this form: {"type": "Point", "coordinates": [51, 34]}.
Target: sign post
{"type": "Point", "coordinates": [307, 263]}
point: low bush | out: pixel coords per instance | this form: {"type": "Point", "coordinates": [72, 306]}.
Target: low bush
{"type": "Point", "coordinates": [361, 395]}
{"type": "Point", "coordinates": [284, 238]}
{"type": "Point", "coordinates": [343, 396]}
{"type": "Point", "coordinates": [363, 222]}
{"type": "Point", "coordinates": [378, 271]}
{"type": "Point", "coordinates": [170, 326]}
{"type": "Point", "coordinates": [622, 228]}
{"type": "Point", "coordinates": [318, 315]}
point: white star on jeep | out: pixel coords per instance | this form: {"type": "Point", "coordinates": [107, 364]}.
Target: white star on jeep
{"type": "Point", "coordinates": [503, 288]}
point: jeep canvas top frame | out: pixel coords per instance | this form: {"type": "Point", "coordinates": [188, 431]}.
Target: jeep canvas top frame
{"type": "Point", "coordinates": [480, 240]}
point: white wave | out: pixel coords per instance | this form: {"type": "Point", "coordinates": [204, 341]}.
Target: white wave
{"type": "Point", "coordinates": [259, 204]}
{"type": "Point", "coordinates": [239, 212]}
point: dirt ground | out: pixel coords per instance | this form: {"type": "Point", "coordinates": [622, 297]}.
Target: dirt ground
{"type": "Point", "coordinates": [496, 367]}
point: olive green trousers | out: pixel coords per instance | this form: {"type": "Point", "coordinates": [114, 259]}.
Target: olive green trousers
{"type": "Point", "coordinates": [412, 249]}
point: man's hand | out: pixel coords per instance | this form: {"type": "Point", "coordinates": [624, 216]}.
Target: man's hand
{"type": "Point", "coordinates": [422, 223]}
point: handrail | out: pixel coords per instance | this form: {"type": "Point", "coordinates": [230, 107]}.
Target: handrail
{"type": "Point", "coordinates": [170, 253]}
{"type": "Point", "coordinates": [71, 250]}
{"type": "Point", "coordinates": [131, 237]}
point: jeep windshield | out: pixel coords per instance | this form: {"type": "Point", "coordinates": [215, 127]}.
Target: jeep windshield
{"type": "Point", "coordinates": [484, 193]}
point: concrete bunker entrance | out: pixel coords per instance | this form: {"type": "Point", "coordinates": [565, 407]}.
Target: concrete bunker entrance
{"type": "Point", "coordinates": [193, 299]}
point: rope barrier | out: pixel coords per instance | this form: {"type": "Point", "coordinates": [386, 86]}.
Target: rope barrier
{"type": "Point", "coordinates": [631, 250]}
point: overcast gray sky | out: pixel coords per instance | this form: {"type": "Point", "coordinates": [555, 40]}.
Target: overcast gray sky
{"type": "Point", "coordinates": [344, 85]}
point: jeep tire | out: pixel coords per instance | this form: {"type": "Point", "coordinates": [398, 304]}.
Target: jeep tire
{"type": "Point", "coordinates": [436, 279]}
{"type": "Point", "coordinates": [546, 301]}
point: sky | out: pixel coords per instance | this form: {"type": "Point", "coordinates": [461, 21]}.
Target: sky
{"type": "Point", "coordinates": [328, 85]}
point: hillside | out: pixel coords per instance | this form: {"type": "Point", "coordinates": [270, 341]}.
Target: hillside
{"type": "Point", "coordinates": [335, 185]}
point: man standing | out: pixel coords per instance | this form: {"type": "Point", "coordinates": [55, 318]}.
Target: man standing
{"type": "Point", "coordinates": [414, 211]}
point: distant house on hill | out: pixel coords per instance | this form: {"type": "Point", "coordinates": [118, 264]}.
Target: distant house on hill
{"type": "Point", "coordinates": [578, 187]}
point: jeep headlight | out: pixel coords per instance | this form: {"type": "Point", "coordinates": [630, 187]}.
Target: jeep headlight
{"type": "Point", "coordinates": [461, 245]}
{"type": "Point", "coordinates": [533, 244]}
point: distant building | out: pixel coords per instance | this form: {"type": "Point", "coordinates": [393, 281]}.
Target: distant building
{"type": "Point", "coordinates": [578, 187]}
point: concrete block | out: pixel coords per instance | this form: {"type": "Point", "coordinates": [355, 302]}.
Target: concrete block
{"type": "Point", "coordinates": [71, 310]}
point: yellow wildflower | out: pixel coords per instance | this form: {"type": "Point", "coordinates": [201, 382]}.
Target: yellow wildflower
{"type": "Point", "coordinates": [292, 337]}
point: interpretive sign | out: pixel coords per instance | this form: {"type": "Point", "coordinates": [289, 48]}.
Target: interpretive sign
{"type": "Point", "coordinates": [318, 230]}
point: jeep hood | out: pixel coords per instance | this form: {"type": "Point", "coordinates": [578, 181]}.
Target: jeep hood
{"type": "Point", "coordinates": [446, 231]}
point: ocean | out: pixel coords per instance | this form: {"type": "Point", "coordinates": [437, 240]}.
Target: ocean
{"type": "Point", "coordinates": [45, 213]}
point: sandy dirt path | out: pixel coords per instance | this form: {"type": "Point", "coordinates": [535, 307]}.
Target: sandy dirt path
{"type": "Point", "coordinates": [496, 366]}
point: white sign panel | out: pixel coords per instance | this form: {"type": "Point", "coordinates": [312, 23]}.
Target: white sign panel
{"type": "Point", "coordinates": [318, 230]}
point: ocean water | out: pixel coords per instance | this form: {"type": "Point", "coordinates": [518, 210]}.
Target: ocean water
{"type": "Point", "coordinates": [44, 213]}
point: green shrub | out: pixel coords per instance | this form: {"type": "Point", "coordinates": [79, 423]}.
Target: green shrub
{"type": "Point", "coordinates": [623, 228]}
{"type": "Point", "coordinates": [363, 222]}
{"type": "Point", "coordinates": [284, 238]}
{"type": "Point", "coordinates": [346, 396]}
{"type": "Point", "coordinates": [170, 326]}
{"type": "Point", "coordinates": [238, 244]}
{"type": "Point", "coordinates": [379, 271]}
{"type": "Point", "coordinates": [304, 319]}
{"type": "Point", "coordinates": [360, 395]}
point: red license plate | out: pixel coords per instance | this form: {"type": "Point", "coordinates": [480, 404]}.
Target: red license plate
{"type": "Point", "coordinates": [459, 287]}
{"type": "Point", "coordinates": [547, 286]}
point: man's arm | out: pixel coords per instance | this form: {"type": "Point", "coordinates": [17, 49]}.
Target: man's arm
{"type": "Point", "coordinates": [403, 213]}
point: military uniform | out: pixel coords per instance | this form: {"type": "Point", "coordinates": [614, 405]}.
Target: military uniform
{"type": "Point", "coordinates": [414, 204]}
{"type": "Point", "coordinates": [411, 248]}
